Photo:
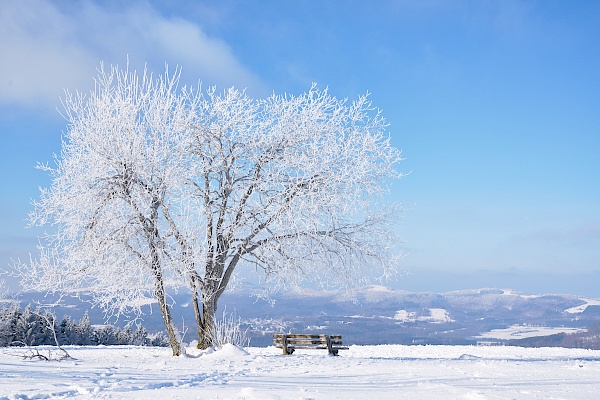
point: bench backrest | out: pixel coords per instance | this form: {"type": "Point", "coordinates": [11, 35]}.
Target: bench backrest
{"type": "Point", "coordinates": [306, 339]}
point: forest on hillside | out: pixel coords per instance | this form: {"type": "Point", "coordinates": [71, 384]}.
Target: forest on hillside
{"type": "Point", "coordinates": [38, 326]}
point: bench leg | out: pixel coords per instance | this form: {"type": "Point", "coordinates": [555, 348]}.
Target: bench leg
{"type": "Point", "coordinates": [284, 342]}
{"type": "Point", "coordinates": [330, 349]}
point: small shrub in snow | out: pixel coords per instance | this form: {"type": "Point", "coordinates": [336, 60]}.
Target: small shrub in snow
{"type": "Point", "coordinates": [228, 331]}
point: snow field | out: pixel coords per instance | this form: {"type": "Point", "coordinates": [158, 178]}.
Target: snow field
{"type": "Point", "coordinates": [362, 372]}
{"type": "Point", "coordinates": [524, 331]}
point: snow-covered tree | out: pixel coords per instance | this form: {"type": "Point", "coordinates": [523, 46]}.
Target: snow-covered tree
{"type": "Point", "coordinates": [288, 185]}
{"type": "Point", "coordinates": [8, 317]}
{"type": "Point", "coordinates": [140, 336]}
{"type": "Point", "coordinates": [105, 335]}
{"type": "Point", "coordinates": [65, 331]}
{"type": "Point", "coordinates": [84, 331]}
{"type": "Point", "coordinates": [10, 313]}
{"type": "Point", "coordinates": [158, 187]}
{"type": "Point", "coordinates": [121, 159]}
{"type": "Point", "coordinates": [30, 329]}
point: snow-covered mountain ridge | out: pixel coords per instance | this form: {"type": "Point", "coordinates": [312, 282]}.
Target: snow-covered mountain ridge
{"type": "Point", "coordinates": [458, 317]}
{"type": "Point", "coordinates": [380, 315]}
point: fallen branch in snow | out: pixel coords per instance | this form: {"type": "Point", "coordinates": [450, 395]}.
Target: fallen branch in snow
{"type": "Point", "coordinates": [35, 354]}
{"type": "Point", "coordinates": [32, 354]}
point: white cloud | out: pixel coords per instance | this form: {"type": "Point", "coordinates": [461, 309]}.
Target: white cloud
{"type": "Point", "coordinates": [39, 55]}
{"type": "Point", "coordinates": [185, 42]}
{"type": "Point", "coordinates": [47, 48]}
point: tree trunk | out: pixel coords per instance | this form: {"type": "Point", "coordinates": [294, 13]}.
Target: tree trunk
{"type": "Point", "coordinates": [151, 231]}
{"type": "Point", "coordinates": [168, 320]}
{"type": "Point", "coordinates": [197, 313]}
{"type": "Point", "coordinates": [211, 293]}
{"type": "Point", "coordinates": [159, 292]}
{"type": "Point", "coordinates": [206, 331]}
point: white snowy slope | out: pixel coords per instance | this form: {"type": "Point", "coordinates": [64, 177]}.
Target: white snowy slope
{"type": "Point", "coordinates": [435, 315]}
{"type": "Point", "coordinates": [362, 372]}
{"type": "Point", "coordinates": [524, 331]}
{"type": "Point", "coordinates": [581, 308]}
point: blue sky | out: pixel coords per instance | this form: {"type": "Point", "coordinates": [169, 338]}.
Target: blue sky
{"type": "Point", "coordinates": [495, 105]}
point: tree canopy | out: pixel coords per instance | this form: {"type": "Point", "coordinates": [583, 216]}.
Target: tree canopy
{"type": "Point", "coordinates": [159, 187]}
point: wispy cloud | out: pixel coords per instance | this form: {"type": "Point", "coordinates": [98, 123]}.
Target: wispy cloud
{"type": "Point", "coordinates": [47, 47]}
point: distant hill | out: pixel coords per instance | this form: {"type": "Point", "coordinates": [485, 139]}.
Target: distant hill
{"type": "Point", "coordinates": [379, 315]}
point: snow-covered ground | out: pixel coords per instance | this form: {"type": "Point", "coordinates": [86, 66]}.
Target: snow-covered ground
{"type": "Point", "coordinates": [362, 372]}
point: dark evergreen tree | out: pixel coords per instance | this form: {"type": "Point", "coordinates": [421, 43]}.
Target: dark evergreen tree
{"type": "Point", "coordinates": [140, 336]}
{"type": "Point", "coordinates": [65, 331]}
{"type": "Point", "coordinates": [105, 336]}
{"type": "Point", "coordinates": [8, 323]}
{"type": "Point", "coordinates": [30, 330]}
{"type": "Point", "coordinates": [84, 333]}
{"type": "Point", "coordinates": [159, 340]}
{"type": "Point", "coordinates": [124, 336]}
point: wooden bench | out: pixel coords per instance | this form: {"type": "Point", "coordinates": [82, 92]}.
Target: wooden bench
{"type": "Point", "coordinates": [290, 342]}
